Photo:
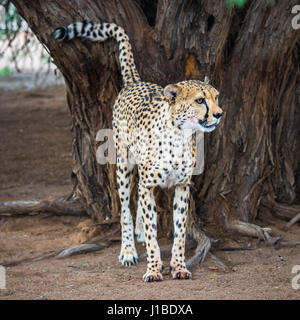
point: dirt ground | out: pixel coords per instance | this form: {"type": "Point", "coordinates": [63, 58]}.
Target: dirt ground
{"type": "Point", "coordinates": [36, 163]}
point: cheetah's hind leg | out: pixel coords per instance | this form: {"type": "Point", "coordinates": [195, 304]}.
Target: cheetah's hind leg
{"type": "Point", "coordinates": [128, 255]}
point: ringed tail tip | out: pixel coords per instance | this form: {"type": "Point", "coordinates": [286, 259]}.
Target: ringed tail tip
{"type": "Point", "coordinates": [60, 34]}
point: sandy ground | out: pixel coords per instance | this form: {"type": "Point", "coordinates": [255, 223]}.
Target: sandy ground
{"type": "Point", "coordinates": [36, 163]}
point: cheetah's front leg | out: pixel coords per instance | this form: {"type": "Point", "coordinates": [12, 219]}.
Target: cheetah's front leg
{"type": "Point", "coordinates": [180, 209]}
{"type": "Point", "coordinates": [149, 216]}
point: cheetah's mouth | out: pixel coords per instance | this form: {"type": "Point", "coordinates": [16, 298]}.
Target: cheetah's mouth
{"type": "Point", "coordinates": [196, 124]}
{"type": "Point", "coordinates": [205, 127]}
{"type": "Point", "coordinates": [208, 128]}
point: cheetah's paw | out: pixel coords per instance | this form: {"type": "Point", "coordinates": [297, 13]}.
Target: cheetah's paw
{"type": "Point", "coordinates": [128, 257]}
{"type": "Point", "coordinates": [180, 273]}
{"type": "Point", "coordinates": [150, 276]}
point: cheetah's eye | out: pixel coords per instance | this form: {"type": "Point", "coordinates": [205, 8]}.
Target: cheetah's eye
{"type": "Point", "coordinates": [200, 101]}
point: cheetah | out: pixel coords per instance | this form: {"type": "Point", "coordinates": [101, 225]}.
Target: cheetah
{"type": "Point", "coordinates": [153, 128]}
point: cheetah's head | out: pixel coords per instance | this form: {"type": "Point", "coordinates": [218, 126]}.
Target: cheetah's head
{"type": "Point", "coordinates": [194, 105]}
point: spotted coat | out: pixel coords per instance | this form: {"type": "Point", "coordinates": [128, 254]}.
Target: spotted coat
{"type": "Point", "coordinates": [153, 129]}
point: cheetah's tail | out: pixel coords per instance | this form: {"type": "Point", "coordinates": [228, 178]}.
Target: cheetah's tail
{"type": "Point", "coordinates": [101, 32]}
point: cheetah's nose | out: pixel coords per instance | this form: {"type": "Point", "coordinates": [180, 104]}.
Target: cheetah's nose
{"type": "Point", "coordinates": [218, 115]}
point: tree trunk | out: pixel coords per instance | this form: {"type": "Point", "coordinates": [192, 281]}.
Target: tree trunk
{"type": "Point", "coordinates": [252, 56]}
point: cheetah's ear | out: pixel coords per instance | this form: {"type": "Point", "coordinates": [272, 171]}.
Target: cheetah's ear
{"type": "Point", "coordinates": [170, 92]}
{"type": "Point", "coordinates": [206, 79]}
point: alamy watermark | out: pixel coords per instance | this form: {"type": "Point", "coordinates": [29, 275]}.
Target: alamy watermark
{"type": "Point", "coordinates": [2, 278]}
{"type": "Point", "coordinates": [296, 278]}
{"type": "Point", "coordinates": [158, 147]}
{"type": "Point", "coordinates": [296, 18]}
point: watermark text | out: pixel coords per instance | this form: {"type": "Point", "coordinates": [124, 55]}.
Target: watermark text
{"type": "Point", "coordinates": [296, 18]}
{"type": "Point", "coordinates": [296, 278]}
{"type": "Point", "coordinates": [2, 278]}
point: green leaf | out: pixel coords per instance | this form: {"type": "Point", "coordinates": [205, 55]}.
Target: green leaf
{"type": "Point", "coordinates": [239, 3]}
{"type": "Point", "coordinates": [5, 71]}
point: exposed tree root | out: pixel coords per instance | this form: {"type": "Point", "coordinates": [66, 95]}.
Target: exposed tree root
{"type": "Point", "coordinates": [26, 260]}
{"type": "Point", "coordinates": [291, 222]}
{"type": "Point", "coordinates": [203, 246]}
{"type": "Point", "coordinates": [81, 248]}
{"type": "Point", "coordinates": [284, 244]}
{"type": "Point", "coordinates": [281, 211]}
{"type": "Point", "coordinates": [234, 249]}
{"type": "Point", "coordinates": [33, 207]}
{"type": "Point", "coordinates": [200, 240]}
{"type": "Point", "coordinates": [61, 254]}
{"type": "Point", "coordinates": [248, 229]}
